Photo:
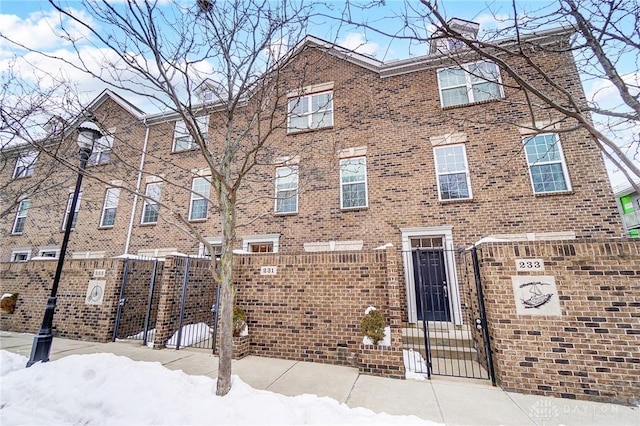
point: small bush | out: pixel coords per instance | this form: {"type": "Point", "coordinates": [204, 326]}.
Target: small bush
{"type": "Point", "coordinates": [372, 326]}
{"type": "Point", "coordinates": [239, 320]}
{"type": "Point", "coordinates": [8, 303]}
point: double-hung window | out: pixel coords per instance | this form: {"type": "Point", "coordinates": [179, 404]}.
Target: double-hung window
{"type": "Point", "coordinates": [200, 189]}
{"type": "Point", "coordinates": [101, 152]}
{"type": "Point", "coordinates": [547, 167]}
{"type": "Point", "coordinates": [452, 171]}
{"type": "Point", "coordinates": [111, 199]}
{"type": "Point", "coordinates": [21, 217]}
{"type": "Point", "coordinates": [475, 82]}
{"type": "Point", "coordinates": [20, 255]}
{"type": "Point", "coordinates": [68, 209]}
{"type": "Point", "coordinates": [151, 205]}
{"type": "Point", "coordinates": [312, 111]}
{"type": "Point", "coordinates": [182, 139]}
{"type": "Point", "coordinates": [287, 189]}
{"type": "Point", "coordinates": [353, 183]}
{"type": "Point", "coordinates": [25, 164]}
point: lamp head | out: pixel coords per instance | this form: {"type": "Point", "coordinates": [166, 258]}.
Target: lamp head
{"type": "Point", "coordinates": [88, 132]}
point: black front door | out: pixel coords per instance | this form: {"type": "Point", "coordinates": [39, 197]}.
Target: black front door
{"type": "Point", "coordinates": [432, 297]}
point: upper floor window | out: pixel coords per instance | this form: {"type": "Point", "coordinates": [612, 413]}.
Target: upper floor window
{"type": "Point", "coordinates": [75, 215]}
{"type": "Point", "coordinates": [111, 200]}
{"type": "Point", "coordinates": [200, 189]}
{"type": "Point", "coordinates": [312, 111]}
{"type": "Point", "coordinates": [353, 183]}
{"type": "Point", "coordinates": [453, 172]}
{"type": "Point", "coordinates": [21, 217]}
{"type": "Point", "coordinates": [475, 82]}
{"type": "Point", "coordinates": [25, 164]}
{"type": "Point", "coordinates": [182, 139]}
{"type": "Point", "coordinates": [268, 243]}
{"type": "Point", "coordinates": [101, 152]}
{"type": "Point", "coordinates": [20, 255]}
{"type": "Point", "coordinates": [287, 189]}
{"type": "Point", "coordinates": [151, 205]}
{"type": "Point", "coordinates": [547, 167]}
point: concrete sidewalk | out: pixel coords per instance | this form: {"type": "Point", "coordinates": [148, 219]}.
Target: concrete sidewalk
{"type": "Point", "coordinates": [445, 400]}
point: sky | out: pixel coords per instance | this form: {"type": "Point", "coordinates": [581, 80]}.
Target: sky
{"type": "Point", "coordinates": [107, 389]}
{"type": "Point", "coordinates": [34, 23]}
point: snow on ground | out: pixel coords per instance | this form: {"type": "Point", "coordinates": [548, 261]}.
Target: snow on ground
{"type": "Point", "coordinates": [191, 334]}
{"type": "Point", "coordinates": [414, 365]}
{"type": "Point", "coordinates": [107, 389]}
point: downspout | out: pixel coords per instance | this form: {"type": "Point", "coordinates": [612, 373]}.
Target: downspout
{"type": "Point", "coordinates": [138, 183]}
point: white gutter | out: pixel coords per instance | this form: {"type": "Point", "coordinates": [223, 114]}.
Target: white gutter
{"type": "Point", "coordinates": [138, 183]}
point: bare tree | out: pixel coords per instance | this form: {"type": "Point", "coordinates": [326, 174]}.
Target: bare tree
{"type": "Point", "coordinates": [602, 37]}
{"type": "Point", "coordinates": [233, 51]}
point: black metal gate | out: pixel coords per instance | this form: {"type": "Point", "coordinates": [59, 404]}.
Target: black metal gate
{"type": "Point", "coordinates": [440, 338]}
{"type": "Point", "coordinates": [138, 303]}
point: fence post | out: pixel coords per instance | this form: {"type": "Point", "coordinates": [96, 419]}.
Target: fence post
{"type": "Point", "coordinates": [121, 300]}
{"type": "Point", "coordinates": [483, 314]}
{"type": "Point", "coordinates": [183, 301]}
{"type": "Point", "coordinates": [152, 285]}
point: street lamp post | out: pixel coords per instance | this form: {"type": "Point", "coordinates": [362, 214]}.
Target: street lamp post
{"type": "Point", "coordinates": [88, 133]}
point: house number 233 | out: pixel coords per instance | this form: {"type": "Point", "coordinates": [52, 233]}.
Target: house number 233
{"type": "Point", "coordinates": [529, 265]}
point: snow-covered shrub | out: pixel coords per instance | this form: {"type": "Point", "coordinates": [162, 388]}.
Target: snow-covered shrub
{"type": "Point", "coordinates": [8, 302]}
{"type": "Point", "coordinates": [372, 325]}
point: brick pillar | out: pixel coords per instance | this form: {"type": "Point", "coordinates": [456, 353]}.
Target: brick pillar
{"type": "Point", "coordinates": [169, 289]}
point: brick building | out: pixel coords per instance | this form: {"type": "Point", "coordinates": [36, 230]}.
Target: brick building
{"type": "Point", "coordinates": [426, 154]}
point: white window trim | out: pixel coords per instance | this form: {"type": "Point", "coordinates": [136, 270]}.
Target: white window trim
{"type": "Point", "coordinates": [18, 216]}
{"type": "Point", "coordinates": [104, 206]}
{"type": "Point", "coordinates": [212, 241]}
{"type": "Point", "coordinates": [99, 148]}
{"type": "Point", "coordinates": [468, 84]}
{"type": "Point", "coordinates": [309, 113]}
{"type": "Point", "coordinates": [180, 131]}
{"type": "Point", "coordinates": [444, 232]}
{"type": "Point", "coordinates": [366, 184]}
{"type": "Point", "coordinates": [196, 196]}
{"type": "Point", "coordinates": [146, 202]}
{"type": "Point", "coordinates": [562, 161]}
{"type": "Point", "coordinates": [294, 170]}
{"type": "Point", "coordinates": [466, 172]}
{"type": "Point", "coordinates": [25, 164]}
{"type": "Point", "coordinates": [49, 249]}
{"type": "Point", "coordinates": [259, 239]}
{"type": "Point", "coordinates": [68, 208]}
{"type": "Point", "coordinates": [26, 251]}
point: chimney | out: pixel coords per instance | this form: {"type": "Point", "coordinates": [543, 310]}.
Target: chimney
{"type": "Point", "coordinates": [441, 43]}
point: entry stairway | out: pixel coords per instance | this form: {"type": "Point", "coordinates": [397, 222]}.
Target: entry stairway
{"type": "Point", "coordinates": [454, 352]}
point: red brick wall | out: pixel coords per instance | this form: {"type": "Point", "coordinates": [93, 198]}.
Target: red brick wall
{"type": "Point", "coordinates": [593, 350]}
{"type": "Point", "coordinates": [73, 318]}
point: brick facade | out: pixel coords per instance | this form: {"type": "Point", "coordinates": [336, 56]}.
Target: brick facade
{"type": "Point", "coordinates": [591, 351]}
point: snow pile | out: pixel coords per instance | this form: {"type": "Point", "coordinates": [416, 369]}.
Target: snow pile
{"type": "Point", "coordinates": [415, 366]}
{"type": "Point", "coordinates": [107, 389]}
{"type": "Point", "coordinates": [191, 334]}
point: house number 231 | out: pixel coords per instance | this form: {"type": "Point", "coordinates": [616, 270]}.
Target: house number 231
{"type": "Point", "coordinates": [529, 265]}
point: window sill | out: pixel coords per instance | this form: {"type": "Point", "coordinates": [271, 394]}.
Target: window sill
{"type": "Point", "coordinates": [353, 209]}
{"type": "Point", "coordinates": [98, 164]}
{"type": "Point", "coordinates": [488, 101]}
{"type": "Point", "coordinates": [149, 224]}
{"type": "Point", "coordinates": [22, 177]}
{"type": "Point", "coordinates": [456, 200]}
{"type": "Point", "coordinates": [16, 234]}
{"type": "Point", "coordinates": [549, 194]}
{"type": "Point", "coordinates": [297, 132]}
{"type": "Point", "coordinates": [285, 213]}
{"type": "Point", "coordinates": [195, 148]}
{"type": "Point", "coordinates": [106, 227]}
{"type": "Point", "coordinates": [198, 220]}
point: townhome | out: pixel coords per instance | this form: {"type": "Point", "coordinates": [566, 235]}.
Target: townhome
{"type": "Point", "coordinates": [425, 155]}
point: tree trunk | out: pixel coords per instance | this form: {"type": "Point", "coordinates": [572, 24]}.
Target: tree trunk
{"type": "Point", "coordinates": [227, 290]}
